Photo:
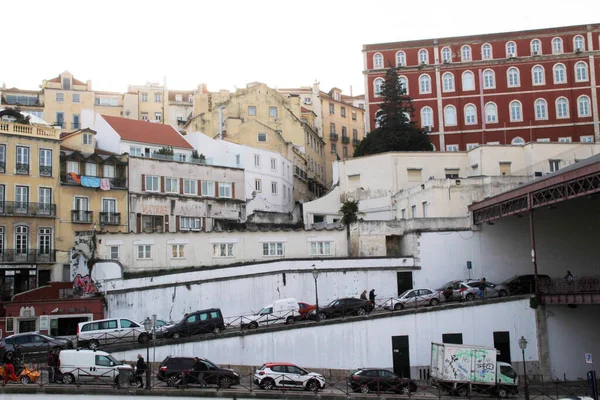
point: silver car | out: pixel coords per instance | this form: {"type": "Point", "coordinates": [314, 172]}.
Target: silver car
{"type": "Point", "coordinates": [469, 290]}
{"type": "Point", "coordinates": [414, 298]}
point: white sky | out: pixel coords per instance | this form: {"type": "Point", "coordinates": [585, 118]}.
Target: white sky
{"type": "Point", "coordinates": [228, 43]}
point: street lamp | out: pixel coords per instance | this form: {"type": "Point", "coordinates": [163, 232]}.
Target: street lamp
{"type": "Point", "coordinates": [147, 328]}
{"type": "Point", "coordinates": [523, 346]}
{"type": "Point", "coordinates": [315, 274]}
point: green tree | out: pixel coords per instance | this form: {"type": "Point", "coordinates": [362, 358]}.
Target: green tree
{"type": "Point", "coordinates": [349, 211]}
{"type": "Point", "coordinates": [396, 131]}
{"type": "Point", "coordinates": [166, 151]}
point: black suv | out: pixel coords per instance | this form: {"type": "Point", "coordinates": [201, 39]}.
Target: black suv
{"type": "Point", "coordinates": [31, 342]}
{"type": "Point", "coordinates": [172, 369]}
{"type": "Point", "coordinates": [202, 321]}
{"type": "Point", "coordinates": [345, 307]}
{"type": "Point", "coordinates": [525, 284]}
{"type": "Point", "coordinates": [380, 380]}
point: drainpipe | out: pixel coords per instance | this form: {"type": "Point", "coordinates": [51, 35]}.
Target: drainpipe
{"type": "Point", "coordinates": [221, 122]}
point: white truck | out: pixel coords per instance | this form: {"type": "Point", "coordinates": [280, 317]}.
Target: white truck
{"type": "Point", "coordinates": [461, 370]}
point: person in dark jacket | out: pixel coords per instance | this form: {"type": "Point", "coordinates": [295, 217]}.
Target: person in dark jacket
{"type": "Point", "coordinates": [372, 297]}
{"type": "Point", "coordinates": [51, 367]}
{"type": "Point", "coordinates": [482, 286]}
{"type": "Point", "coordinates": [140, 370]}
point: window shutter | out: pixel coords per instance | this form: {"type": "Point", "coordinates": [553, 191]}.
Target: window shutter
{"type": "Point", "coordinates": [199, 188]}
{"type": "Point", "coordinates": [233, 190]}
{"type": "Point", "coordinates": [162, 184]}
{"type": "Point", "coordinates": [139, 222]}
{"type": "Point", "coordinates": [143, 183]}
{"type": "Point", "coordinates": [203, 224]}
{"type": "Point", "coordinates": [166, 223]}
{"type": "Point", "coordinates": [180, 185]}
{"type": "Point", "coordinates": [177, 223]}
{"type": "Point", "coordinates": [216, 189]}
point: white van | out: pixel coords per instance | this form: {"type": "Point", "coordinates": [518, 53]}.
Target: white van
{"type": "Point", "coordinates": [284, 310]}
{"type": "Point", "coordinates": [110, 331]}
{"type": "Point", "coordinates": [90, 365]}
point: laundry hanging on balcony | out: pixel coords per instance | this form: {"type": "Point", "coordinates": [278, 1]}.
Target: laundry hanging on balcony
{"type": "Point", "coordinates": [104, 184]}
{"type": "Point", "coordinates": [90, 181]}
{"type": "Point", "coordinates": [73, 177]}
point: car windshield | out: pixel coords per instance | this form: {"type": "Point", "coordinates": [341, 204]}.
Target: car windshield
{"type": "Point", "coordinates": [114, 360]}
{"type": "Point", "coordinates": [210, 363]}
{"type": "Point", "coordinates": [404, 293]}
{"type": "Point", "coordinates": [46, 337]}
{"type": "Point", "coordinates": [332, 303]}
{"type": "Point", "coordinates": [266, 310]}
{"type": "Point", "coordinates": [447, 285]}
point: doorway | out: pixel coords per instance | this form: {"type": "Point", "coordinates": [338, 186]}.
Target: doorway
{"type": "Point", "coordinates": [502, 344]}
{"type": "Point", "coordinates": [401, 356]}
{"type": "Point", "coordinates": [405, 281]}
{"type": "Point", "coordinates": [27, 325]}
{"type": "Point", "coordinates": [66, 326]}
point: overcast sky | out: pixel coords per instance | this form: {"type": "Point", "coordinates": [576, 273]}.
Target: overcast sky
{"type": "Point", "coordinates": [228, 43]}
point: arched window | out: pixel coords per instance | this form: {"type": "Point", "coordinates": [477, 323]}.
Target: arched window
{"type": "Point", "coordinates": [562, 108]}
{"type": "Point", "coordinates": [536, 47]}
{"type": "Point", "coordinates": [491, 113]}
{"type": "Point", "coordinates": [448, 80]}
{"type": "Point", "coordinates": [486, 51]}
{"type": "Point", "coordinates": [400, 59]}
{"type": "Point", "coordinates": [541, 109]}
{"type": "Point", "coordinates": [470, 114]}
{"type": "Point", "coordinates": [581, 72]}
{"type": "Point", "coordinates": [423, 56]}
{"type": "Point", "coordinates": [489, 79]}
{"type": "Point", "coordinates": [378, 61]}
{"type": "Point", "coordinates": [468, 81]}
{"type": "Point", "coordinates": [377, 86]}
{"type": "Point", "coordinates": [583, 106]}
{"type": "Point", "coordinates": [557, 45]}
{"type": "Point", "coordinates": [511, 49]}
{"type": "Point", "coordinates": [513, 77]}
{"type": "Point", "coordinates": [403, 81]}
{"type": "Point", "coordinates": [424, 84]}
{"type": "Point", "coordinates": [518, 141]}
{"type": "Point", "coordinates": [537, 74]}
{"type": "Point", "coordinates": [426, 117]}
{"type": "Point", "coordinates": [450, 116]}
{"type": "Point", "coordinates": [21, 239]}
{"type": "Point", "coordinates": [446, 55]}
{"type": "Point", "coordinates": [578, 43]}
{"type": "Point", "coordinates": [465, 53]}
{"type": "Point", "coordinates": [516, 113]}
{"type": "Point", "coordinates": [560, 73]}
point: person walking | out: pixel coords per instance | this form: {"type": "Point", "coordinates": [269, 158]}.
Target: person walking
{"type": "Point", "coordinates": [363, 295]}
{"type": "Point", "coordinates": [569, 280]}
{"type": "Point", "coordinates": [9, 371]}
{"type": "Point", "coordinates": [51, 367]}
{"type": "Point", "coordinates": [372, 297]}
{"type": "Point", "coordinates": [140, 370]}
{"type": "Point", "coordinates": [482, 286]}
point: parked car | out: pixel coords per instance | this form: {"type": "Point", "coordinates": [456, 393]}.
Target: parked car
{"type": "Point", "coordinates": [470, 289]}
{"type": "Point", "coordinates": [415, 298]}
{"type": "Point", "coordinates": [111, 330]}
{"type": "Point", "coordinates": [90, 365]}
{"type": "Point", "coordinates": [367, 380]}
{"type": "Point", "coordinates": [172, 368]}
{"type": "Point", "coordinates": [344, 307]}
{"type": "Point", "coordinates": [285, 375]}
{"type": "Point", "coordinates": [280, 311]}
{"type": "Point", "coordinates": [524, 284]}
{"type": "Point", "coordinates": [305, 309]}
{"type": "Point", "coordinates": [31, 343]}
{"type": "Point", "coordinates": [451, 290]}
{"type": "Point", "coordinates": [159, 323]}
{"type": "Point", "coordinates": [202, 321]}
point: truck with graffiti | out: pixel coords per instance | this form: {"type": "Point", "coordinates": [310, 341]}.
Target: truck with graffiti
{"type": "Point", "coordinates": [461, 370]}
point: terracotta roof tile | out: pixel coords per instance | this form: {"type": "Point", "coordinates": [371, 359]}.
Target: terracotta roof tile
{"type": "Point", "coordinates": [147, 132]}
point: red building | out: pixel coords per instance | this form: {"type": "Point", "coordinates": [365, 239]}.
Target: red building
{"type": "Point", "coordinates": [501, 88]}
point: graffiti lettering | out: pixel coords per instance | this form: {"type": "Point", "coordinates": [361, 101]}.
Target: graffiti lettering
{"type": "Point", "coordinates": [155, 210]}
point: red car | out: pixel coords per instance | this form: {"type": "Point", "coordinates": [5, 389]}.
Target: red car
{"type": "Point", "coordinates": [305, 309]}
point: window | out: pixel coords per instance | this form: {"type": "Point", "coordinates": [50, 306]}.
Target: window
{"type": "Point", "coordinates": [564, 140]}
{"type": "Point", "coordinates": [66, 83]}
{"type": "Point", "coordinates": [273, 111]}
{"type": "Point", "coordinates": [44, 241]}
{"type": "Point", "coordinates": [537, 73]}
{"type": "Point", "coordinates": [471, 146]}
{"type": "Point", "coordinates": [511, 49]}
{"type": "Point", "coordinates": [208, 188]}
{"type": "Point", "coordinates": [252, 111]}
{"type": "Point", "coordinates": [76, 98]}
{"type": "Point", "coordinates": [536, 47]}
{"type": "Point", "coordinates": [2, 158]}
{"type": "Point", "coordinates": [22, 160]}
{"type": "Point", "coordinates": [273, 249]}
{"type": "Point", "coordinates": [465, 53]}
{"type": "Point", "coordinates": [426, 117]}
{"type": "Point", "coordinates": [106, 101]}
{"type": "Point", "coordinates": [223, 250]}
{"type": "Point", "coordinates": [88, 138]}
{"type": "Point", "coordinates": [377, 86]}
{"type": "Point", "coordinates": [559, 72]}
{"type": "Point", "coordinates": [21, 239]}
{"type": "Point", "coordinates": [91, 169]}
{"type": "Point", "coordinates": [225, 189]}
{"type": "Point", "coordinates": [144, 96]}
{"type": "Point", "coordinates": [413, 211]}
{"type": "Point", "coordinates": [452, 147]}
{"type": "Point", "coordinates": [541, 109]}
{"type": "Point", "coordinates": [557, 46]}
{"type": "Point", "coordinates": [486, 52]}
{"type": "Point", "coordinates": [424, 84]}
{"type": "Point", "coordinates": [517, 141]}
{"type": "Point", "coordinates": [152, 183]}
{"type": "Point", "coordinates": [583, 106]}
{"type": "Point", "coordinates": [135, 151]}
{"type": "Point", "coordinates": [515, 111]}
{"type": "Point", "coordinates": [145, 116]}
{"type": "Point", "coordinates": [261, 137]}
{"type": "Point", "coordinates": [331, 108]}
{"type": "Point", "coordinates": [178, 251]}
{"type": "Point", "coordinates": [190, 186]}
{"type": "Point", "coordinates": [354, 112]}
{"type": "Point", "coordinates": [190, 223]}
{"type": "Point", "coordinates": [60, 97]}
{"type": "Point", "coordinates": [45, 199]}
{"type": "Point", "coordinates": [468, 81]}
{"type": "Point", "coordinates": [450, 115]}
{"type": "Point", "coordinates": [446, 55]}
{"type": "Point", "coordinates": [158, 97]}
{"type": "Point", "coordinates": [152, 223]}
{"type": "Point", "coordinates": [257, 160]}
{"type": "Point", "coordinates": [378, 61]}
{"type": "Point", "coordinates": [403, 213]}
{"type": "Point", "coordinates": [274, 188]}
{"type": "Point", "coordinates": [258, 185]}
{"type": "Point", "coordinates": [514, 79]}
{"type": "Point", "coordinates": [158, 116]}
{"type": "Point", "coordinates": [578, 43]}
{"type": "Point", "coordinates": [489, 79]}
{"type": "Point", "coordinates": [586, 139]}
{"type": "Point", "coordinates": [333, 148]}
{"type": "Point", "coordinates": [423, 56]}
{"type": "Point", "coordinates": [451, 173]}
{"type": "Point", "coordinates": [144, 252]}
{"type": "Point", "coordinates": [581, 72]}
{"type": "Point", "coordinates": [562, 108]}
{"type": "Point", "coordinates": [403, 81]}
{"type": "Point", "coordinates": [45, 162]}
{"type": "Point", "coordinates": [470, 114]}
{"type": "Point", "coordinates": [113, 252]}
{"type": "Point", "coordinates": [343, 111]}
{"type": "Point", "coordinates": [345, 151]}
{"type": "Point", "coordinates": [273, 164]}
{"type": "Point", "coordinates": [448, 81]}
{"type": "Point", "coordinates": [554, 165]}
{"type": "Point", "coordinates": [320, 248]}
{"type": "Point", "coordinates": [400, 59]}
{"type": "Point", "coordinates": [73, 166]}
{"type": "Point", "coordinates": [491, 113]}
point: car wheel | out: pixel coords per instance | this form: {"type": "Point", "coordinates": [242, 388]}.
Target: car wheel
{"type": "Point", "coordinates": [322, 316]}
{"type": "Point", "coordinates": [25, 380]}
{"type": "Point", "coordinates": [434, 302]}
{"type": "Point", "coordinates": [398, 306]}
{"type": "Point", "coordinates": [10, 355]}
{"type": "Point", "coordinates": [290, 320]}
{"type": "Point", "coordinates": [313, 385]}
{"type": "Point", "coordinates": [502, 393]}
{"type": "Point", "coordinates": [503, 293]}
{"type": "Point", "coordinates": [361, 311]}
{"type": "Point", "coordinates": [267, 384]}
{"type": "Point", "coordinates": [470, 297]}
{"type": "Point", "coordinates": [93, 344]}
{"type": "Point", "coordinates": [364, 388]}
{"type": "Point", "coordinates": [68, 379]}
{"type": "Point", "coordinates": [462, 391]}
{"type": "Point", "coordinates": [176, 335]}
{"type": "Point", "coordinates": [253, 325]}
{"type": "Point", "coordinates": [225, 382]}
{"type": "Point", "coordinates": [143, 338]}
{"type": "Point", "coordinates": [173, 379]}
{"type": "Point", "coordinates": [405, 390]}
{"type": "Point", "coordinates": [217, 330]}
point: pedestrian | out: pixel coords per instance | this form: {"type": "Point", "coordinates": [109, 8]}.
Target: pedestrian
{"type": "Point", "coordinates": [9, 371]}
{"type": "Point", "coordinates": [569, 276]}
{"type": "Point", "coordinates": [372, 297]}
{"type": "Point", "coordinates": [51, 367]}
{"type": "Point", "coordinates": [140, 369]}
{"type": "Point", "coordinates": [363, 295]}
{"type": "Point", "coordinates": [482, 286]}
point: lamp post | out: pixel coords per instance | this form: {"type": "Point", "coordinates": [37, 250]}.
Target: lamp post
{"type": "Point", "coordinates": [523, 346]}
{"type": "Point", "coordinates": [315, 274]}
{"type": "Point", "coordinates": [147, 328]}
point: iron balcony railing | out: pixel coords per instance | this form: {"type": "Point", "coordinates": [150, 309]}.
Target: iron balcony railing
{"type": "Point", "coordinates": [27, 255]}
{"type": "Point", "coordinates": [355, 142]}
{"type": "Point", "coordinates": [8, 208]}
{"type": "Point", "coordinates": [333, 137]}
{"type": "Point", "coordinates": [22, 169]}
{"type": "Point", "coordinates": [81, 216]}
{"type": "Point", "coordinates": [115, 183]}
{"type": "Point", "coordinates": [45, 170]}
{"type": "Point", "coordinates": [108, 218]}
{"type": "Point", "coordinates": [345, 139]}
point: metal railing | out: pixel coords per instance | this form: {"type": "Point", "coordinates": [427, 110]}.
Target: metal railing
{"type": "Point", "coordinates": [45, 170]}
{"type": "Point", "coordinates": [115, 183]}
{"type": "Point", "coordinates": [355, 142]}
{"type": "Point", "coordinates": [22, 169]}
{"type": "Point", "coordinates": [8, 208]}
{"type": "Point", "coordinates": [345, 139]}
{"type": "Point", "coordinates": [81, 216]}
{"type": "Point", "coordinates": [108, 218]}
{"type": "Point", "coordinates": [582, 284]}
{"type": "Point", "coordinates": [29, 255]}
{"type": "Point", "coordinates": [333, 137]}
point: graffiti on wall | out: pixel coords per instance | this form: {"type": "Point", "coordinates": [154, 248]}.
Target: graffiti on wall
{"type": "Point", "coordinates": [84, 285]}
{"type": "Point", "coordinates": [80, 256]}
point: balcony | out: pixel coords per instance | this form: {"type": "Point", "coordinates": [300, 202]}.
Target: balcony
{"type": "Point", "coordinates": [333, 137]}
{"type": "Point", "coordinates": [82, 217]}
{"type": "Point", "coordinates": [45, 170]}
{"type": "Point", "coordinates": [18, 256]}
{"type": "Point", "coordinates": [34, 131]}
{"type": "Point", "coordinates": [300, 173]}
{"type": "Point", "coordinates": [115, 183]}
{"type": "Point", "coordinates": [22, 169]}
{"type": "Point", "coordinates": [355, 142]}
{"type": "Point", "coordinates": [107, 218]}
{"type": "Point", "coordinates": [18, 208]}
{"type": "Point", "coordinates": [345, 139]}
{"type": "Point", "coordinates": [62, 124]}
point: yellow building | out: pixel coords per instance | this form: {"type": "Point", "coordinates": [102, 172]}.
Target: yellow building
{"type": "Point", "coordinates": [29, 182]}
{"type": "Point", "coordinates": [64, 99]}
{"type": "Point", "coordinates": [147, 102]}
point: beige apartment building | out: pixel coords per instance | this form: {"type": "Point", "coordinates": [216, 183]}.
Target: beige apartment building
{"type": "Point", "coordinates": [146, 102]}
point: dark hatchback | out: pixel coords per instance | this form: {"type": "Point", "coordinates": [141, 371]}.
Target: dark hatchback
{"type": "Point", "coordinates": [380, 380]}
{"type": "Point", "coordinates": [30, 343]}
{"type": "Point", "coordinates": [345, 307]}
{"type": "Point", "coordinates": [172, 369]}
{"type": "Point", "coordinates": [524, 284]}
{"type": "Point", "coordinates": [202, 321]}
